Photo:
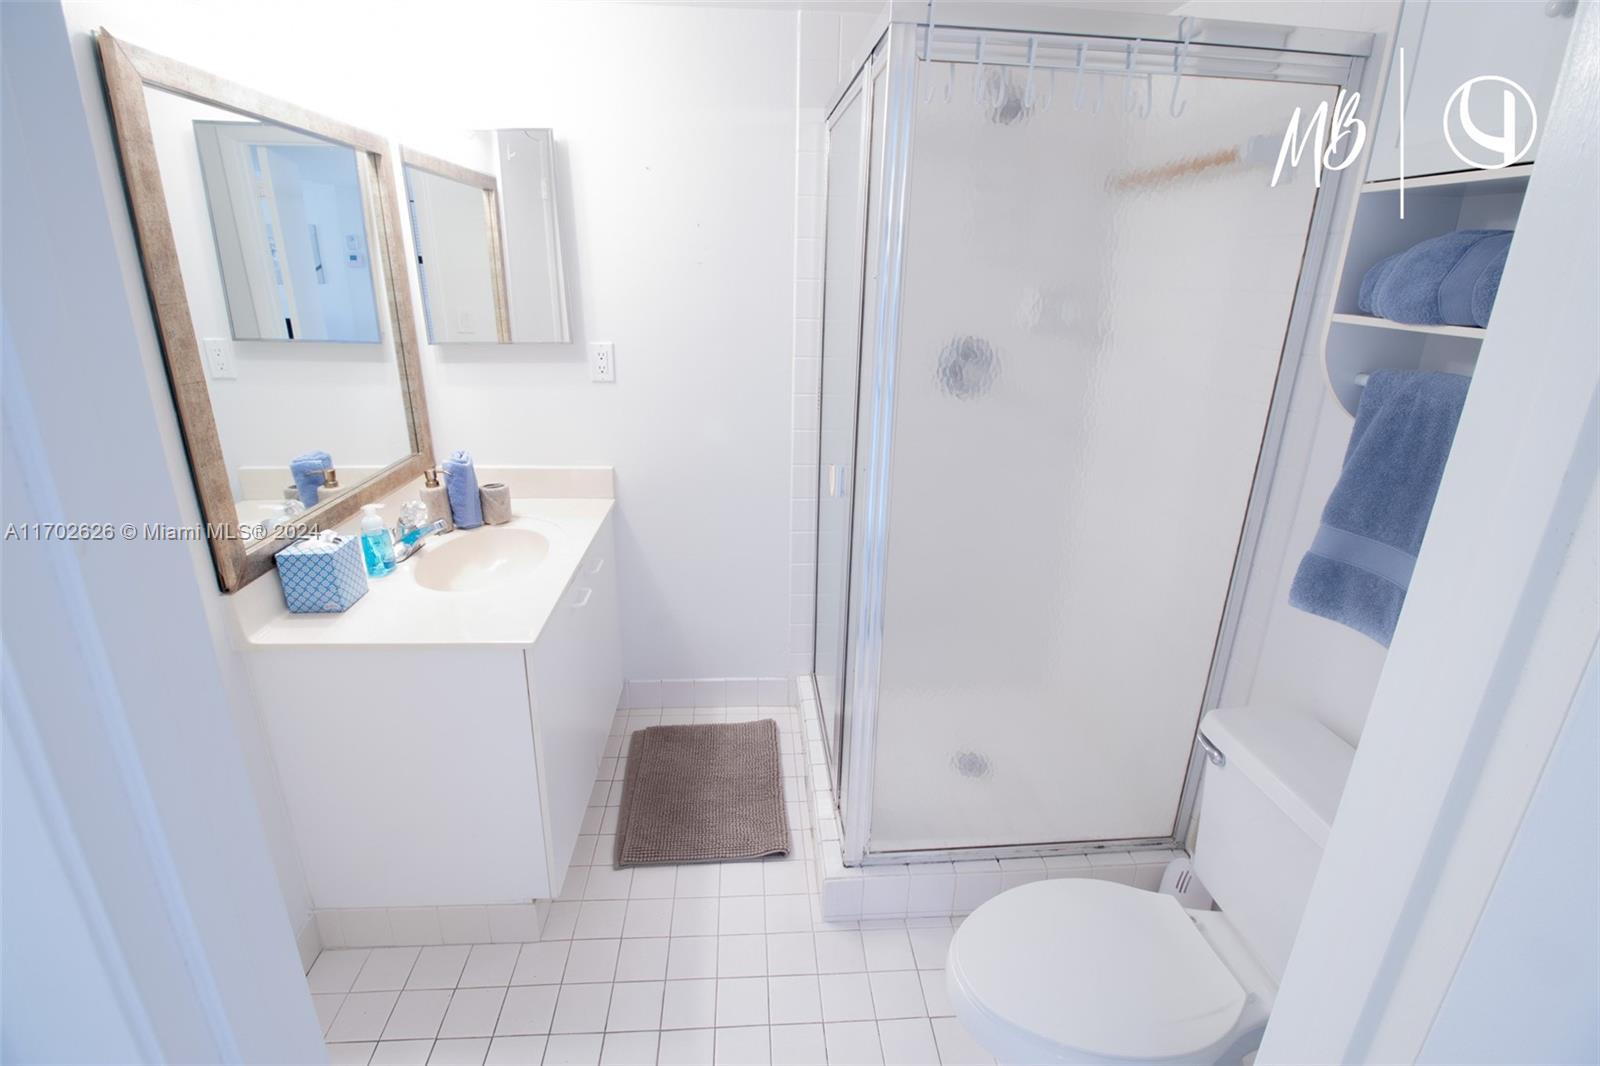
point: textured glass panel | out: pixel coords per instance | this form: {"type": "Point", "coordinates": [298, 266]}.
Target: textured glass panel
{"type": "Point", "coordinates": [1094, 310]}
{"type": "Point", "coordinates": [841, 351]}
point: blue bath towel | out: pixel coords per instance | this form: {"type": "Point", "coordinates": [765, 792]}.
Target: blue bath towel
{"type": "Point", "coordinates": [1360, 561]}
{"type": "Point", "coordinates": [461, 486]}
{"type": "Point", "coordinates": [307, 472]}
{"type": "Point", "coordinates": [1443, 281]}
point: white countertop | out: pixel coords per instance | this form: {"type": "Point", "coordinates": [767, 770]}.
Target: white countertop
{"type": "Point", "coordinates": [397, 611]}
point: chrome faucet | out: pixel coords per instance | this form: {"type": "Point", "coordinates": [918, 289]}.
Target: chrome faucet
{"type": "Point", "coordinates": [408, 536]}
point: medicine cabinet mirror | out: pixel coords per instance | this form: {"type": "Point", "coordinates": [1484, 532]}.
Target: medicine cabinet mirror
{"type": "Point", "coordinates": [488, 241]}
{"type": "Point", "coordinates": [270, 242]}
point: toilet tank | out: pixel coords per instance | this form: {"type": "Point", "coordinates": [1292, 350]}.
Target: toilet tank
{"type": "Point", "coordinates": [1264, 818]}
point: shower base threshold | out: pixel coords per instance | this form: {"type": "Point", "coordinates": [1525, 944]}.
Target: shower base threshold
{"type": "Point", "coordinates": [937, 888]}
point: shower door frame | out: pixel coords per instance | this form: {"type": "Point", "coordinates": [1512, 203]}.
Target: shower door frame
{"type": "Point", "coordinates": [898, 40]}
{"type": "Point", "coordinates": [859, 85]}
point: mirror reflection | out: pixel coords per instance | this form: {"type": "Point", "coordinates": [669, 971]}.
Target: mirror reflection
{"type": "Point", "coordinates": [291, 240]}
{"type": "Point", "coordinates": [454, 225]}
{"type": "Point", "coordinates": [487, 236]}
{"type": "Point", "coordinates": [274, 233]}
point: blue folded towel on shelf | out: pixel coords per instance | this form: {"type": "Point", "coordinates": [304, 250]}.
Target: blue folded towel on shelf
{"type": "Point", "coordinates": [1360, 562]}
{"type": "Point", "coordinates": [461, 486]}
{"type": "Point", "coordinates": [307, 472]}
{"type": "Point", "coordinates": [1443, 281]}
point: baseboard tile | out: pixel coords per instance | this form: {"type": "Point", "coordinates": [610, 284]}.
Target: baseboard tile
{"type": "Point", "coordinates": [670, 693]}
{"type": "Point", "coordinates": [374, 927]}
{"type": "Point", "coordinates": [309, 942]}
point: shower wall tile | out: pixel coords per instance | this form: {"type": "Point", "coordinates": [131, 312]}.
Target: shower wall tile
{"type": "Point", "coordinates": [808, 297]}
{"type": "Point", "coordinates": [821, 36]}
{"type": "Point", "coordinates": [808, 258]}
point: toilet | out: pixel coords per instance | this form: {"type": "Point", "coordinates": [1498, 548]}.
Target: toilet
{"type": "Point", "coordinates": [1088, 971]}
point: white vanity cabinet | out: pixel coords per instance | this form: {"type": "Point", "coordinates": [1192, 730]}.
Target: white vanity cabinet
{"type": "Point", "coordinates": [1447, 42]}
{"type": "Point", "coordinates": [447, 774]}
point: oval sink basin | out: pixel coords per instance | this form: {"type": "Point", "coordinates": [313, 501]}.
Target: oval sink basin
{"type": "Point", "coordinates": [478, 558]}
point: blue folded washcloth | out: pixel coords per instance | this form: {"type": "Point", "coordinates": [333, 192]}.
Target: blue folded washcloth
{"type": "Point", "coordinates": [1443, 281]}
{"type": "Point", "coordinates": [1360, 562]}
{"type": "Point", "coordinates": [307, 471]}
{"type": "Point", "coordinates": [461, 485]}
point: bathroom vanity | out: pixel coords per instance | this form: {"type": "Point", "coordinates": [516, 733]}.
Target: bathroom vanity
{"type": "Point", "coordinates": [438, 741]}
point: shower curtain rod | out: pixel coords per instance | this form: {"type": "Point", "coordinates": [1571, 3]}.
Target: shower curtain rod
{"type": "Point", "coordinates": [1130, 57]}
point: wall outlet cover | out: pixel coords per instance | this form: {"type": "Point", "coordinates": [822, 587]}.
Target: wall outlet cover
{"type": "Point", "coordinates": [219, 358]}
{"type": "Point", "coordinates": [602, 361]}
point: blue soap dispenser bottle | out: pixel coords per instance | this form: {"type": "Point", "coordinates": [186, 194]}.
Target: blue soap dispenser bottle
{"type": "Point", "coordinates": [377, 543]}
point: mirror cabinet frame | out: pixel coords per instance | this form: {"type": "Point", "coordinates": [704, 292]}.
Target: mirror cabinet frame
{"type": "Point", "coordinates": [127, 71]}
{"type": "Point", "coordinates": [443, 168]}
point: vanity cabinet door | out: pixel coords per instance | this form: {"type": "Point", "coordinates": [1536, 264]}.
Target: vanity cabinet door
{"type": "Point", "coordinates": [575, 677]}
{"type": "Point", "coordinates": [408, 773]}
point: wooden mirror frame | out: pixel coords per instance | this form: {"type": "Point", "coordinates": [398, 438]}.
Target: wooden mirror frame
{"type": "Point", "coordinates": [126, 71]}
{"type": "Point", "coordinates": [443, 168]}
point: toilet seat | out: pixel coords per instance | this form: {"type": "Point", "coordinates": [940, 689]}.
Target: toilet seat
{"type": "Point", "coordinates": [1083, 970]}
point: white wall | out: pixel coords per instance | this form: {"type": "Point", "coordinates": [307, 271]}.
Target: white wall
{"type": "Point", "coordinates": [675, 129]}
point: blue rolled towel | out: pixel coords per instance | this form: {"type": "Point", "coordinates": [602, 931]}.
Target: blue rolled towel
{"type": "Point", "coordinates": [1432, 283]}
{"type": "Point", "coordinates": [1486, 286]}
{"type": "Point", "coordinates": [1359, 564]}
{"type": "Point", "coordinates": [307, 472]}
{"type": "Point", "coordinates": [1370, 282]}
{"type": "Point", "coordinates": [461, 486]}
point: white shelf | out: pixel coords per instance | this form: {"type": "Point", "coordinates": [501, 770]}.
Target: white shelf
{"type": "Point", "coordinates": [1371, 322]}
{"type": "Point", "coordinates": [1506, 179]}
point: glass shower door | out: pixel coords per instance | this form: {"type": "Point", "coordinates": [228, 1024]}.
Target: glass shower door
{"type": "Point", "coordinates": [844, 254]}
{"type": "Point", "coordinates": [1090, 335]}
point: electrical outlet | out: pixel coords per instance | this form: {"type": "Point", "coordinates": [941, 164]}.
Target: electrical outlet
{"type": "Point", "coordinates": [219, 359]}
{"type": "Point", "coordinates": [602, 361]}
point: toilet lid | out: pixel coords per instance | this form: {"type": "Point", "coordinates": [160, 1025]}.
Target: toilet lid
{"type": "Point", "coordinates": [1098, 967]}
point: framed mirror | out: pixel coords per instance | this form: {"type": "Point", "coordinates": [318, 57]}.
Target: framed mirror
{"type": "Point", "coordinates": [271, 246]}
{"type": "Point", "coordinates": [490, 239]}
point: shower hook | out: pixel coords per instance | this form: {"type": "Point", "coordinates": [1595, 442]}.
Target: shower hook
{"type": "Point", "coordinates": [1127, 85]}
{"type": "Point", "coordinates": [927, 53]}
{"type": "Point", "coordinates": [1180, 53]}
{"type": "Point", "coordinates": [950, 82]}
{"type": "Point", "coordinates": [977, 77]}
{"type": "Point", "coordinates": [1077, 80]}
{"type": "Point", "coordinates": [1027, 90]}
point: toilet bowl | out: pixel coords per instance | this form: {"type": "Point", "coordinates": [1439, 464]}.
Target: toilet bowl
{"type": "Point", "coordinates": [1081, 970]}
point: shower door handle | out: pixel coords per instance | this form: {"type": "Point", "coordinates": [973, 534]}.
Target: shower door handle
{"type": "Point", "coordinates": [835, 480]}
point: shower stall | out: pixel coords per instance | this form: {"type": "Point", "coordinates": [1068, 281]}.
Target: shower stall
{"type": "Point", "coordinates": [1059, 286]}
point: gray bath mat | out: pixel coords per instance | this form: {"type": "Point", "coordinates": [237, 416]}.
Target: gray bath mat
{"type": "Point", "coordinates": [702, 793]}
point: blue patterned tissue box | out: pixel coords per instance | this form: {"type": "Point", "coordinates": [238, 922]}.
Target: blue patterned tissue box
{"type": "Point", "coordinates": [322, 573]}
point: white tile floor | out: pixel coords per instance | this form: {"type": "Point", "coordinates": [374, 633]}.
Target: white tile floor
{"type": "Point", "coordinates": [726, 963]}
